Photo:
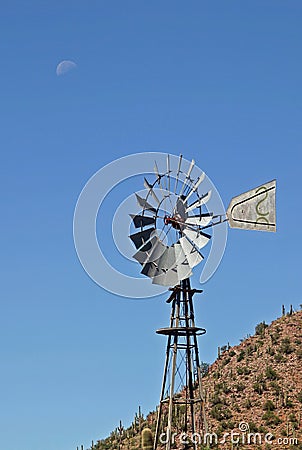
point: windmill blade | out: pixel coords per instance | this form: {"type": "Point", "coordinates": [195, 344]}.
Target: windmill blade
{"type": "Point", "coordinates": [196, 185]}
{"type": "Point", "coordinates": [149, 187]}
{"type": "Point", "coordinates": [178, 172]}
{"type": "Point", "coordinates": [187, 176]}
{"type": "Point", "coordinates": [179, 271]}
{"type": "Point", "coordinates": [198, 238]}
{"type": "Point", "coordinates": [160, 267]}
{"type": "Point", "coordinates": [156, 249]}
{"type": "Point", "coordinates": [141, 257]}
{"type": "Point", "coordinates": [180, 208]}
{"type": "Point", "coordinates": [149, 269]}
{"type": "Point", "coordinates": [162, 189]}
{"type": "Point", "coordinates": [255, 209]}
{"type": "Point", "coordinates": [168, 171]}
{"type": "Point", "coordinates": [144, 204]}
{"type": "Point", "coordinates": [158, 176]}
{"type": "Point", "coordinates": [182, 265]}
{"type": "Point", "coordinates": [142, 221]}
{"type": "Point", "coordinates": [192, 254]}
{"type": "Point", "coordinates": [169, 278]}
{"type": "Point", "coordinates": [140, 239]}
{"type": "Point", "coordinates": [201, 201]}
{"type": "Point", "coordinates": [166, 274]}
{"type": "Point", "coordinates": [201, 220]}
{"type": "Point", "coordinates": [167, 260]}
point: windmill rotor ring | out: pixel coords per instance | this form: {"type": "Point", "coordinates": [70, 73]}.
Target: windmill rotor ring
{"type": "Point", "coordinates": [161, 195]}
{"type": "Point", "coordinates": [174, 207]}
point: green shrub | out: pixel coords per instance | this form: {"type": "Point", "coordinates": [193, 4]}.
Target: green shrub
{"type": "Point", "coordinates": [216, 400]}
{"type": "Point", "coordinates": [243, 370]}
{"type": "Point", "coordinates": [285, 346]}
{"type": "Point", "coordinates": [270, 351]}
{"type": "Point", "coordinates": [249, 350]}
{"type": "Point", "coordinates": [271, 374]}
{"type": "Point", "coordinates": [292, 418]}
{"type": "Point", "coordinates": [275, 386]}
{"type": "Point", "coordinates": [270, 418]}
{"type": "Point", "coordinates": [204, 368]}
{"type": "Point", "coordinates": [216, 412]}
{"type": "Point", "coordinates": [240, 356]}
{"type": "Point", "coordinates": [278, 357]}
{"type": "Point", "coordinates": [240, 387]}
{"type": "Point", "coordinates": [226, 361]}
{"type": "Point", "coordinates": [248, 404]}
{"type": "Point", "coordinates": [275, 338]}
{"type": "Point", "coordinates": [260, 328]}
{"type": "Point", "coordinates": [220, 412]}
{"type": "Point", "coordinates": [269, 406]}
{"type": "Point", "coordinates": [253, 427]}
{"type": "Point", "coordinates": [260, 385]}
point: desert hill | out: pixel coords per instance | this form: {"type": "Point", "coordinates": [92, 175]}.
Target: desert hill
{"type": "Point", "coordinates": [256, 385]}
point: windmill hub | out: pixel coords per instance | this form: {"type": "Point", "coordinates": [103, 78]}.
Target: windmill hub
{"type": "Point", "coordinates": [176, 221]}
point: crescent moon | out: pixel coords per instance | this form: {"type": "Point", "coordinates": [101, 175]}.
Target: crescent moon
{"type": "Point", "coordinates": [65, 66]}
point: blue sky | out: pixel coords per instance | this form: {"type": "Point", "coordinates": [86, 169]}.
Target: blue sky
{"type": "Point", "coordinates": [217, 81]}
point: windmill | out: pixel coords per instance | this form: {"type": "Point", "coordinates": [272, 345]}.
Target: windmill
{"type": "Point", "coordinates": [174, 226]}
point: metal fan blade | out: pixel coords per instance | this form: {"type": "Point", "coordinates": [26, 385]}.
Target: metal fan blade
{"type": "Point", "coordinates": [149, 269]}
{"type": "Point", "coordinates": [140, 239]}
{"type": "Point", "coordinates": [159, 177]}
{"type": "Point", "coordinates": [150, 188]}
{"type": "Point", "coordinates": [180, 209]}
{"type": "Point", "coordinates": [178, 172]}
{"type": "Point", "coordinates": [161, 257]}
{"type": "Point", "coordinates": [166, 274]}
{"type": "Point", "coordinates": [187, 176]}
{"type": "Point", "coordinates": [156, 171]}
{"type": "Point", "coordinates": [141, 257]}
{"type": "Point", "coordinates": [167, 260]}
{"type": "Point", "coordinates": [169, 278]}
{"type": "Point", "coordinates": [168, 171]}
{"type": "Point", "coordinates": [156, 249]}
{"type": "Point", "coordinates": [182, 265]}
{"type": "Point", "coordinates": [201, 220]}
{"type": "Point", "coordinates": [196, 185]}
{"type": "Point", "coordinates": [191, 252]}
{"type": "Point", "coordinates": [142, 221]}
{"type": "Point", "coordinates": [144, 204]}
{"type": "Point", "coordinates": [201, 201]}
{"type": "Point", "coordinates": [198, 238]}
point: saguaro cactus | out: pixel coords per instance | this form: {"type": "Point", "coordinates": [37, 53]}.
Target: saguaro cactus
{"type": "Point", "coordinates": [147, 439]}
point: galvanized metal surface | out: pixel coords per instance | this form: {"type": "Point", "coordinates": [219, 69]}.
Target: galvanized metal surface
{"type": "Point", "coordinates": [181, 368]}
{"type": "Point", "coordinates": [255, 209]}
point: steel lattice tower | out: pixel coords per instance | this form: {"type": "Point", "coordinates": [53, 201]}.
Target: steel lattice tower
{"type": "Point", "coordinates": [181, 407]}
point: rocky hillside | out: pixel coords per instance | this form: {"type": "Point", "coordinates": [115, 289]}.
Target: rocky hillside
{"type": "Point", "coordinates": [259, 382]}
{"type": "Point", "coordinates": [255, 387]}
